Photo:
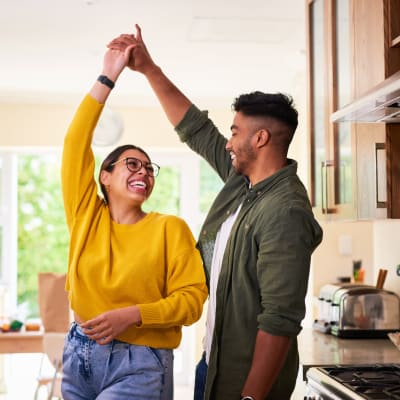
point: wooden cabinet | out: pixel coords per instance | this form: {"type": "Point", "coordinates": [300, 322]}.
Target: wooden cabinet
{"type": "Point", "coordinates": [332, 190]}
{"type": "Point", "coordinates": [353, 45]}
{"type": "Point", "coordinates": [376, 57]}
{"type": "Point", "coordinates": [394, 23]}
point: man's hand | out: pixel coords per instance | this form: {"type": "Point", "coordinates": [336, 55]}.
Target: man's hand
{"type": "Point", "coordinates": [140, 59]}
{"type": "Point", "coordinates": [107, 326]}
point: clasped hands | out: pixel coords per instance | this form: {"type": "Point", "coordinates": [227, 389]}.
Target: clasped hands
{"type": "Point", "coordinates": [140, 59]}
{"type": "Point", "coordinates": [108, 325]}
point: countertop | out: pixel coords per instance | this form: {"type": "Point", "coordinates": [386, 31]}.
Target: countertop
{"type": "Point", "coordinates": [317, 348]}
{"type": "Point", "coordinates": [21, 342]}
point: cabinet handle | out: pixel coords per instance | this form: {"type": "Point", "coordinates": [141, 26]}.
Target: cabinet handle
{"type": "Point", "coordinates": [324, 181]}
{"type": "Point", "coordinates": [380, 175]}
{"type": "Point", "coordinates": [342, 178]}
{"type": "Point", "coordinates": [323, 192]}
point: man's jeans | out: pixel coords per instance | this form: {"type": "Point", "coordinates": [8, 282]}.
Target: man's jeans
{"type": "Point", "coordinates": [115, 371]}
{"type": "Point", "coordinates": [200, 378]}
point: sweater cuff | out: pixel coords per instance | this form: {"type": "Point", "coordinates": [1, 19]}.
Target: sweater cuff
{"type": "Point", "coordinates": [149, 314]}
{"type": "Point", "coordinates": [191, 123]}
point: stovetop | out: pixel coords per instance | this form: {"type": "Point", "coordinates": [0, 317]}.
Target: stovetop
{"type": "Point", "coordinates": [372, 382]}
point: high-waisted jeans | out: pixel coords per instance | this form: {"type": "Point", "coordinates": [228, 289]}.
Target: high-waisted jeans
{"type": "Point", "coordinates": [115, 371]}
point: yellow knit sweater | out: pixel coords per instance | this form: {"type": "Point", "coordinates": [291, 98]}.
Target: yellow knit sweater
{"type": "Point", "coordinates": [152, 263]}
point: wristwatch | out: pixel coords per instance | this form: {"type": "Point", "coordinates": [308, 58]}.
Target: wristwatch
{"type": "Point", "coordinates": [247, 398]}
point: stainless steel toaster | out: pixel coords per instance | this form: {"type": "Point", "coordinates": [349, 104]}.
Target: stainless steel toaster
{"type": "Point", "coordinates": [355, 310]}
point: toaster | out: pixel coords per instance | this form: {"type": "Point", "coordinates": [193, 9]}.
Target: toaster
{"type": "Point", "coordinates": [357, 311]}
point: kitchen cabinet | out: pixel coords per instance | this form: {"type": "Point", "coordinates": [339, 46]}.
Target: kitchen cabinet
{"type": "Point", "coordinates": [353, 45]}
{"type": "Point", "coordinates": [329, 88]}
{"type": "Point", "coordinates": [376, 58]}
{"type": "Point", "coordinates": [393, 13]}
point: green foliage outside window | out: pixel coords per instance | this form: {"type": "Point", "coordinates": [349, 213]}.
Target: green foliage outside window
{"type": "Point", "coordinates": [42, 232]}
{"type": "Point", "coordinates": [166, 192]}
{"type": "Point", "coordinates": [210, 185]}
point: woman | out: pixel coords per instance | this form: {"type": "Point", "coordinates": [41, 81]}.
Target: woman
{"type": "Point", "coordinates": [134, 278]}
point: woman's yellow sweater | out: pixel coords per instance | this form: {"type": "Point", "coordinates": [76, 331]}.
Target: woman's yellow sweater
{"type": "Point", "coordinates": [153, 263]}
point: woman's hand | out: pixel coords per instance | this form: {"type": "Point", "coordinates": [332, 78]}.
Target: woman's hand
{"type": "Point", "coordinates": [139, 58]}
{"type": "Point", "coordinates": [113, 64]}
{"type": "Point", "coordinates": [107, 326]}
{"type": "Point", "coordinates": [115, 61]}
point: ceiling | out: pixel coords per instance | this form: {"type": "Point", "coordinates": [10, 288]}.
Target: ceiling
{"type": "Point", "coordinates": [52, 50]}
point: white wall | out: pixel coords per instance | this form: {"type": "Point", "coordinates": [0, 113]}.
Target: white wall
{"type": "Point", "coordinates": [329, 262]}
{"type": "Point", "coordinates": [387, 251]}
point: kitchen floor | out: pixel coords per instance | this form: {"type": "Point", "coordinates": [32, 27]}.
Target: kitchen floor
{"type": "Point", "coordinates": [18, 374]}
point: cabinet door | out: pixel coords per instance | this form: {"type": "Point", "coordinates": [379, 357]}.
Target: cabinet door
{"type": "Point", "coordinates": [343, 136]}
{"type": "Point", "coordinates": [329, 87]}
{"type": "Point", "coordinates": [317, 104]}
{"type": "Point", "coordinates": [371, 171]}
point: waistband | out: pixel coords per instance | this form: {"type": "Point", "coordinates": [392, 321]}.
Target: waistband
{"type": "Point", "coordinates": [75, 330]}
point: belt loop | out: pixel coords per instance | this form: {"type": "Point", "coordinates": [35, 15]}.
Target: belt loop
{"type": "Point", "coordinates": [72, 330]}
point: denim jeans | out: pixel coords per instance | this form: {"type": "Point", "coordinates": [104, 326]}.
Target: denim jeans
{"type": "Point", "coordinates": [200, 378]}
{"type": "Point", "coordinates": [115, 371]}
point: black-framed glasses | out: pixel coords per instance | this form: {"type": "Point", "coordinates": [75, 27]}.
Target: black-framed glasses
{"type": "Point", "coordinates": [134, 165]}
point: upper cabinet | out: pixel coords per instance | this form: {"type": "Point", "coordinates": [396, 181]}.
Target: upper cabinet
{"type": "Point", "coordinates": [353, 46]}
{"type": "Point", "coordinates": [394, 21]}
{"type": "Point", "coordinates": [329, 88]}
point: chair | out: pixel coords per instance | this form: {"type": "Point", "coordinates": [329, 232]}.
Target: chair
{"type": "Point", "coordinates": [53, 345]}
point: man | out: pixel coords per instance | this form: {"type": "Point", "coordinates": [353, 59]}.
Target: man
{"type": "Point", "coordinates": [256, 241]}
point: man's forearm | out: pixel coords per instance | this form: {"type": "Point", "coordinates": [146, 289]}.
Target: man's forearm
{"type": "Point", "coordinates": [172, 100]}
{"type": "Point", "coordinates": [269, 356]}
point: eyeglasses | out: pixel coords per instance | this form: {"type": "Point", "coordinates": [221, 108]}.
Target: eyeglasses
{"type": "Point", "coordinates": [134, 165]}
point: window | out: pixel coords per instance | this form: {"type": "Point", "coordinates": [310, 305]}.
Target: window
{"type": "Point", "coordinates": [8, 232]}
{"type": "Point", "coordinates": [33, 233]}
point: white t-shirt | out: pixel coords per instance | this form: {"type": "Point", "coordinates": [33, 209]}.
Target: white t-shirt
{"type": "Point", "coordinates": [219, 249]}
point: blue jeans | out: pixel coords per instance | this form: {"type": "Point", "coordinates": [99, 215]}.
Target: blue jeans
{"type": "Point", "coordinates": [200, 378]}
{"type": "Point", "coordinates": [115, 371]}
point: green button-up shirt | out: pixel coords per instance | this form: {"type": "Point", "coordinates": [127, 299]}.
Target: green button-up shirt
{"type": "Point", "coordinates": [265, 268]}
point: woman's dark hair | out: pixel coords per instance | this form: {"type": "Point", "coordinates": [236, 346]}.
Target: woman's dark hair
{"type": "Point", "coordinates": [106, 165]}
{"type": "Point", "coordinates": [273, 105]}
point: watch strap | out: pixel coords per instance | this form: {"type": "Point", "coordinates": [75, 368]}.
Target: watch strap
{"type": "Point", "coordinates": [106, 81]}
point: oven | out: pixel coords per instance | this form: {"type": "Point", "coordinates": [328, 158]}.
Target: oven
{"type": "Point", "coordinates": [354, 382]}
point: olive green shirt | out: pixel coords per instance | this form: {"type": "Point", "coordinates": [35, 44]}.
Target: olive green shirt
{"type": "Point", "coordinates": [265, 268]}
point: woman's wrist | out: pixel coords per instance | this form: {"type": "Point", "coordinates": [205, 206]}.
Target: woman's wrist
{"type": "Point", "coordinates": [105, 80]}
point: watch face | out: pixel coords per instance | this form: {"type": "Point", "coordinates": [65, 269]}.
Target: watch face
{"type": "Point", "coordinates": [109, 128]}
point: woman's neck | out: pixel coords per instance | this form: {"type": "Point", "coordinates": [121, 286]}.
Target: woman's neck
{"type": "Point", "coordinates": [129, 216]}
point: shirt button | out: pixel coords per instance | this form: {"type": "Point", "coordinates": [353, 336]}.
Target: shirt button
{"type": "Point", "coordinates": [228, 212]}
